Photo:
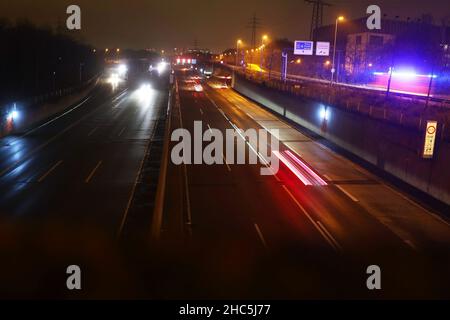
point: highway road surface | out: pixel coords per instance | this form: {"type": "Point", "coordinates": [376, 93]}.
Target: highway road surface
{"type": "Point", "coordinates": [80, 190]}
{"type": "Point", "coordinates": [69, 186]}
{"type": "Point", "coordinates": [307, 232]}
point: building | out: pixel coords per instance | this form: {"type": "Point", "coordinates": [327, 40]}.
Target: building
{"type": "Point", "coordinates": [364, 51]}
{"type": "Point", "coordinates": [415, 42]}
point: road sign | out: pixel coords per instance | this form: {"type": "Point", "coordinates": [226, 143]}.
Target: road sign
{"type": "Point", "coordinates": [322, 49]}
{"type": "Point", "coordinates": [304, 48]}
{"type": "Point", "coordinates": [430, 139]}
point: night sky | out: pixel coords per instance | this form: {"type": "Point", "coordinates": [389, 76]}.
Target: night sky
{"type": "Point", "coordinates": [215, 24]}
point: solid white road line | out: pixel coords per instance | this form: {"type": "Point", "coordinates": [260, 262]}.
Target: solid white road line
{"type": "Point", "coordinates": [58, 117]}
{"type": "Point", "coordinates": [251, 117]}
{"type": "Point", "coordinates": [417, 205]}
{"type": "Point", "coordinates": [348, 194]}
{"type": "Point", "coordinates": [336, 244]}
{"type": "Point", "coordinates": [322, 232]}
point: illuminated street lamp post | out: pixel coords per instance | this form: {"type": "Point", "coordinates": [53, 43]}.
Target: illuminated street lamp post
{"type": "Point", "coordinates": [333, 67]}
{"type": "Point", "coordinates": [238, 43]}
{"type": "Point", "coordinates": [263, 40]}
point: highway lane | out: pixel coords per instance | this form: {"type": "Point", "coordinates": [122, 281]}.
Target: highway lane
{"type": "Point", "coordinates": [300, 241]}
{"type": "Point", "coordinates": [220, 110]}
{"type": "Point", "coordinates": [94, 148]}
{"type": "Point", "coordinates": [421, 229]}
{"type": "Point", "coordinates": [67, 187]}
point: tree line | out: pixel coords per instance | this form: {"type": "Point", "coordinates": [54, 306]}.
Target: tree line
{"type": "Point", "coordinates": [37, 60]}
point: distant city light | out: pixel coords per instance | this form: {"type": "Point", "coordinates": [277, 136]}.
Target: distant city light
{"type": "Point", "coordinates": [122, 69]}
{"type": "Point", "coordinates": [162, 66]}
{"type": "Point", "coordinates": [114, 79]}
{"type": "Point", "coordinates": [198, 87]}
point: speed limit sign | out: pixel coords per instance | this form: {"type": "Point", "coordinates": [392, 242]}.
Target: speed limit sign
{"type": "Point", "coordinates": [430, 139]}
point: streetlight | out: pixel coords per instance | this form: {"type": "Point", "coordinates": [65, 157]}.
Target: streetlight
{"type": "Point", "coordinates": [333, 68]}
{"type": "Point", "coordinates": [263, 39]}
{"type": "Point", "coordinates": [238, 43]}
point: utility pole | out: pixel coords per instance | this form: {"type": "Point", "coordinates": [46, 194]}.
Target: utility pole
{"type": "Point", "coordinates": [317, 16]}
{"type": "Point", "coordinates": [333, 66]}
{"type": "Point", "coordinates": [254, 24]}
